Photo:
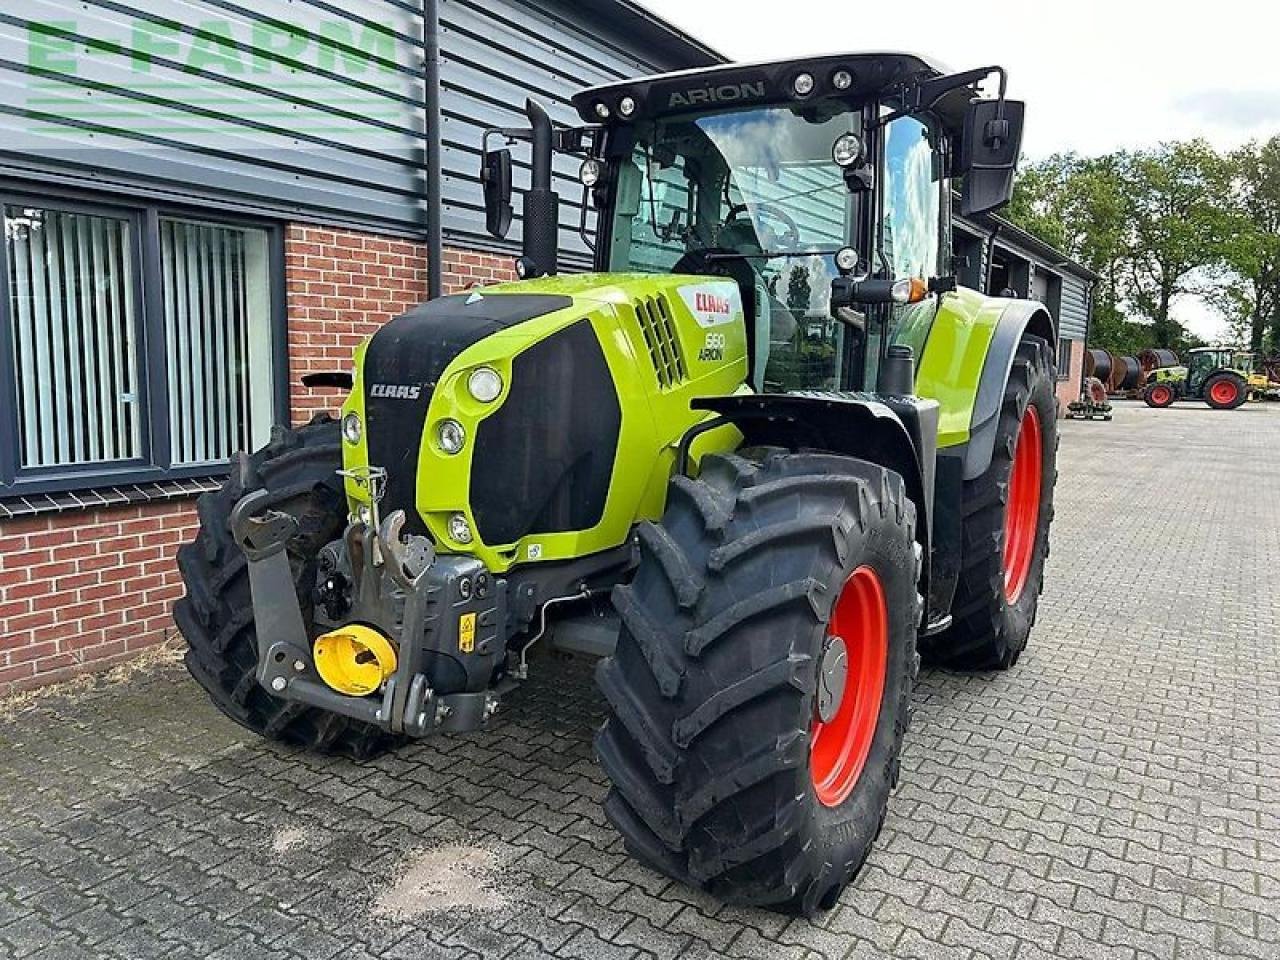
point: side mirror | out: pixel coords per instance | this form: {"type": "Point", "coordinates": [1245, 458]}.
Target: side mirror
{"type": "Point", "coordinates": [989, 149]}
{"type": "Point", "coordinates": [495, 175]}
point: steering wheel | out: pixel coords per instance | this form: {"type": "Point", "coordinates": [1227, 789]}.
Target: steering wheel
{"type": "Point", "coordinates": [790, 236]}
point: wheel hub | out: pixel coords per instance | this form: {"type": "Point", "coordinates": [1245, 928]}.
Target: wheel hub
{"type": "Point", "coordinates": [851, 675]}
{"type": "Point", "coordinates": [833, 674]}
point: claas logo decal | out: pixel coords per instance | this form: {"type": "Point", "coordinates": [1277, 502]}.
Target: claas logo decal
{"type": "Point", "coordinates": [711, 303]}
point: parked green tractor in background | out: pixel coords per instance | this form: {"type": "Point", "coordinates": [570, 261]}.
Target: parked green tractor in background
{"type": "Point", "coordinates": [1215, 375]}
{"type": "Point", "coordinates": [759, 462]}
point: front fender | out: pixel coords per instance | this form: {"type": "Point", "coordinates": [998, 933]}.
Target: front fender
{"type": "Point", "coordinates": [899, 433]}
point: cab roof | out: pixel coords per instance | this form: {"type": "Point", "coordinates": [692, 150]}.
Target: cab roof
{"type": "Point", "coordinates": [748, 84]}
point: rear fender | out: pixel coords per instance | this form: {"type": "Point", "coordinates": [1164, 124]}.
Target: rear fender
{"type": "Point", "coordinates": [1017, 318]}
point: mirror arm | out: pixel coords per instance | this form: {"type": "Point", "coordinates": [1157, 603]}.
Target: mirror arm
{"type": "Point", "coordinates": [926, 94]}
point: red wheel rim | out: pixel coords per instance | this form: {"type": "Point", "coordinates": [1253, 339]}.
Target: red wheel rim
{"type": "Point", "coordinates": [839, 748]}
{"type": "Point", "coordinates": [1224, 392]}
{"type": "Point", "coordinates": [1160, 395]}
{"type": "Point", "coordinates": [1022, 512]}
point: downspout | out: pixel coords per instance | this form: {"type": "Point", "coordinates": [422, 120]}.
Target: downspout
{"type": "Point", "coordinates": [431, 82]}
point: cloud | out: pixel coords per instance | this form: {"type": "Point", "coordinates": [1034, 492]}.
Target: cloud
{"type": "Point", "coordinates": [1235, 109]}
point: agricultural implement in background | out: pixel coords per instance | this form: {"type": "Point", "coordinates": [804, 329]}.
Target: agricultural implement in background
{"type": "Point", "coordinates": [772, 429]}
{"type": "Point", "coordinates": [1216, 375]}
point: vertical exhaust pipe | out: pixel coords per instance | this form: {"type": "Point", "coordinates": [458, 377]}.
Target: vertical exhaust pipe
{"type": "Point", "coordinates": [541, 204]}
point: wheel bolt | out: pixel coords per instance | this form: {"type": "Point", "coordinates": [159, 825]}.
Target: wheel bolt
{"type": "Point", "coordinates": [278, 684]}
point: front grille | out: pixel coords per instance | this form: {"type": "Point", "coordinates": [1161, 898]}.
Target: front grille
{"type": "Point", "coordinates": [659, 330]}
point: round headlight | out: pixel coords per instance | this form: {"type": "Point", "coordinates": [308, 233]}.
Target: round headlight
{"type": "Point", "coordinates": [847, 150]}
{"type": "Point", "coordinates": [352, 428]}
{"type": "Point", "coordinates": [459, 529]}
{"type": "Point", "coordinates": [450, 436]}
{"type": "Point", "coordinates": [627, 106]}
{"type": "Point", "coordinates": [485, 384]}
{"type": "Point", "coordinates": [847, 259]}
{"type": "Point", "coordinates": [589, 172]}
{"type": "Point", "coordinates": [802, 84]}
{"type": "Point", "coordinates": [602, 110]}
{"type": "Point", "coordinates": [842, 79]}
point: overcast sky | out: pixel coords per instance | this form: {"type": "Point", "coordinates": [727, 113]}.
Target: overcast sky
{"type": "Point", "coordinates": [1097, 76]}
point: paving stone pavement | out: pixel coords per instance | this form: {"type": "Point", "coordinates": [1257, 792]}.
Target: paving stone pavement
{"type": "Point", "coordinates": [1114, 796]}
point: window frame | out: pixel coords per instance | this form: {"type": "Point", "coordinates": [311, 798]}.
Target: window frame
{"type": "Point", "coordinates": [155, 464]}
{"type": "Point", "coordinates": [1063, 372]}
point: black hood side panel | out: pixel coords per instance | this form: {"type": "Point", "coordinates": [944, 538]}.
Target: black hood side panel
{"type": "Point", "coordinates": [405, 360]}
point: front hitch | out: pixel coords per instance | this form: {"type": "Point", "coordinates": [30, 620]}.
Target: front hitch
{"type": "Point", "coordinates": [408, 704]}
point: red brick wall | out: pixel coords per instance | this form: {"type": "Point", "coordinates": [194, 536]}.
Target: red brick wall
{"type": "Point", "coordinates": [343, 285]}
{"type": "Point", "coordinates": [85, 590]}
{"type": "Point", "coordinates": [82, 591]}
{"type": "Point", "coordinates": [1069, 389]}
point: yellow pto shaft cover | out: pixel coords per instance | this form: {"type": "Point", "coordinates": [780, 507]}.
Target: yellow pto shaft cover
{"type": "Point", "coordinates": [355, 660]}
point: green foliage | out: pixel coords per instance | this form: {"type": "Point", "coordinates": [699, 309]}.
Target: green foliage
{"type": "Point", "coordinates": [1249, 291]}
{"type": "Point", "coordinates": [1154, 224]}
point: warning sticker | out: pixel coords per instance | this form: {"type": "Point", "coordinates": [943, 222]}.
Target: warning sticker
{"type": "Point", "coordinates": [467, 632]}
{"type": "Point", "coordinates": [713, 303]}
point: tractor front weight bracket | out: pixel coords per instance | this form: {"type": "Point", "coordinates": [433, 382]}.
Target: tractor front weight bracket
{"type": "Point", "coordinates": [286, 669]}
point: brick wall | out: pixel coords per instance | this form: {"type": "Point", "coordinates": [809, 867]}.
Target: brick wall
{"type": "Point", "coordinates": [1069, 389]}
{"type": "Point", "coordinates": [342, 285]}
{"type": "Point", "coordinates": [83, 591]}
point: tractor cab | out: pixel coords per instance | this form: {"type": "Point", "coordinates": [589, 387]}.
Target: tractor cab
{"type": "Point", "coordinates": [821, 187]}
{"type": "Point", "coordinates": [1203, 362]}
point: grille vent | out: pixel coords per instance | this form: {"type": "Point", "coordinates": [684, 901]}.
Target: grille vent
{"type": "Point", "coordinates": [658, 327]}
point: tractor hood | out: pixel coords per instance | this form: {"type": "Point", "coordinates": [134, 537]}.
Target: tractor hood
{"type": "Point", "coordinates": [573, 369]}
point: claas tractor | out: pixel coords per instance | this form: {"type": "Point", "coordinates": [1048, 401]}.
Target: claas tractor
{"type": "Point", "coordinates": [1216, 375]}
{"type": "Point", "coordinates": [759, 462]}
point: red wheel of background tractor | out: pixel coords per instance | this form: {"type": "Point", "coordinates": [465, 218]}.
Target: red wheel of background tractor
{"type": "Point", "coordinates": [839, 747]}
{"type": "Point", "coordinates": [1158, 395]}
{"type": "Point", "coordinates": [1022, 512]}
{"type": "Point", "coordinates": [1225, 391]}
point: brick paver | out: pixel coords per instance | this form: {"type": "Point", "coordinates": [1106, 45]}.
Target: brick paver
{"type": "Point", "coordinates": [1113, 796]}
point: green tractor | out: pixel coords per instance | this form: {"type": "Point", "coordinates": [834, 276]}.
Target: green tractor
{"type": "Point", "coordinates": [760, 462]}
{"type": "Point", "coordinates": [1215, 375]}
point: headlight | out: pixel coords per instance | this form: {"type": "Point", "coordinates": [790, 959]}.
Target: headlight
{"type": "Point", "coordinates": [842, 79]}
{"type": "Point", "coordinates": [459, 529]}
{"type": "Point", "coordinates": [847, 150]}
{"type": "Point", "coordinates": [627, 106]}
{"type": "Point", "coordinates": [802, 84]}
{"type": "Point", "coordinates": [847, 259]}
{"type": "Point", "coordinates": [450, 436]}
{"type": "Point", "coordinates": [602, 111]}
{"type": "Point", "coordinates": [485, 384]}
{"type": "Point", "coordinates": [352, 428]}
{"type": "Point", "coordinates": [589, 172]}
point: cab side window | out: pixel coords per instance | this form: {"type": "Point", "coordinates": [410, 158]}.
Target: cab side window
{"type": "Point", "coordinates": [912, 201]}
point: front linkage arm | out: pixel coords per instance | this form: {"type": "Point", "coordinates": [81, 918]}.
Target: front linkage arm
{"type": "Point", "coordinates": [408, 705]}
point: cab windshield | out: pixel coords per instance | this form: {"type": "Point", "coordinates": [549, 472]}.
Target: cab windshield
{"type": "Point", "coordinates": [752, 194]}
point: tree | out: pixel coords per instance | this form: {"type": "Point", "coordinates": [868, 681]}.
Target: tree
{"type": "Point", "coordinates": [1176, 224]}
{"type": "Point", "coordinates": [799, 291]}
{"type": "Point", "coordinates": [1250, 291]}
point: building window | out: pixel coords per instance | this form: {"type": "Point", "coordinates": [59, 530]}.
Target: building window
{"type": "Point", "coordinates": [1064, 358]}
{"type": "Point", "coordinates": [218, 343]}
{"type": "Point", "coordinates": [74, 323]}
{"type": "Point", "coordinates": [136, 344]}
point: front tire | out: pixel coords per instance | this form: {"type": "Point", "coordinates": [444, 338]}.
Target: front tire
{"type": "Point", "coordinates": [1159, 395]}
{"type": "Point", "coordinates": [216, 615]}
{"type": "Point", "coordinates": [1006, 514]}
{"type": "Point", "coordinates": [735, 766]}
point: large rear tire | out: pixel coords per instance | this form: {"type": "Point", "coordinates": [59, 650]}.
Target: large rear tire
{"type": "Point", "coordinates": [1006, 516]}
{"type": "Point", "coordinates": [1225, 391]}
{"type": "Point", "coordinates": [216, 615]}
{"type": "Point", "coordinates": [731, 769]}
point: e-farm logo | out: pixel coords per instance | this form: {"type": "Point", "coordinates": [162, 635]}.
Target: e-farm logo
{"type": "Point", "coordinates": [166, 78]}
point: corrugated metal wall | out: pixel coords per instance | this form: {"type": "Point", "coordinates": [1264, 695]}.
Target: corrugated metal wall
{"type": "Point", "coordinates": [297, 108]}
{"type": "Point", "coordinates": [1073, 319]}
